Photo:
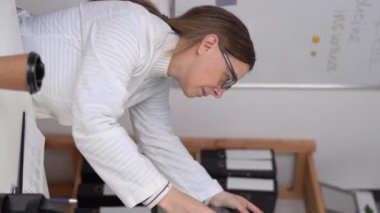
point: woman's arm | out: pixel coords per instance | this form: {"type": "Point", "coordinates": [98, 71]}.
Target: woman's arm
{"type": "Point", "coordinates": [111, 54]}
{"type": "Point", "coordinates": [158, 142]}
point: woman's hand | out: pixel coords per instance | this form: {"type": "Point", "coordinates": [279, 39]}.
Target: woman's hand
{"type": "Point", "coordinates": [179, 202]}
{"type": "Point", "coordinates": [229, 200]}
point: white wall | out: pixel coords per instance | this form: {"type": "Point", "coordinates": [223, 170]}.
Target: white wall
{"type": "Point", "coordinates": [344, 123]}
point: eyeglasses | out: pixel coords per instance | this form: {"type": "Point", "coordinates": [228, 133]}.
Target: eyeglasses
{"type": "Point", "coordinates": [229, 82]}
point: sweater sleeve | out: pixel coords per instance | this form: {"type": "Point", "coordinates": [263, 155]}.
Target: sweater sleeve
{"type": "Point", "coordinates": [158, 142]}
{"type": "Point", "coordinates": [110, 58]}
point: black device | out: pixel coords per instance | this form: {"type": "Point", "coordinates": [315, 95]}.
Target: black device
{"type": "Point", "coordinates": [253, 177]}
{"type": "Point", "coordinates": [25, 203]}
{"type": "Point", "coordinates": [35, 72]}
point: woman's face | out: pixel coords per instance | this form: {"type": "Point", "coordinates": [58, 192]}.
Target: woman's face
{"type": "Point", "coordinates": [208, 71]}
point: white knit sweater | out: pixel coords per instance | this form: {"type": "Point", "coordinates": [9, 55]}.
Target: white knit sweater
{"type": "Point", "coordinates": [102, 58]}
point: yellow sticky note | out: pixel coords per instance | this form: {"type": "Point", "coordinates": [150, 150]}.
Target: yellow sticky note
{"type": "Point", "coordinates": [316, 39]}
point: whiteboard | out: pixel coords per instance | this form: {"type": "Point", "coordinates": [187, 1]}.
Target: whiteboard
{"type": "Point", "coordinates": [305, 42]}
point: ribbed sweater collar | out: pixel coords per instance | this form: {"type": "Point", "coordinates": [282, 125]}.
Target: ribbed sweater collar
{"type": "Point", "coordinates": [160, 68]}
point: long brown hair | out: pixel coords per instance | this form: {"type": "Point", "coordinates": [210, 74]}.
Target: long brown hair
{"type": "Point", "coordinates": [197, 22]}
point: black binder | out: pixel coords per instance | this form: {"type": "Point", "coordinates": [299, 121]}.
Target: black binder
{"type": "Point", "coordinates": [94, 195]}
{"type": "Point", "coordinates": [216, 163]}
{"type": "Point", "coordinates": [262, 154]}
{"type": "Point", "coordinates": [88, 174]}
{"type": "Point", "coordinates": [263, 198]}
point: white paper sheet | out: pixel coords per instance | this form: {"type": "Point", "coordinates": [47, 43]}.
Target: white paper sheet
{"type": "Point", "coordinates": [12, 105]}
{"type": "Point", "coordinates": [33, 178]}
{"type": "Point", "coordinates": [257, 154]}
{"type": "Point", "coordinates": [237, 164]}
{"type": "Point", "coordinates": [259, 184]}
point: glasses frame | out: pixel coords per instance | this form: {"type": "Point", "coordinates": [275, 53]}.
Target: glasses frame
{"type": "Point", "coordinates": [229, 82]}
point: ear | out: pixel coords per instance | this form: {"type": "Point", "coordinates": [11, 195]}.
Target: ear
{"type": "Point", "coordinates": [209, 42]}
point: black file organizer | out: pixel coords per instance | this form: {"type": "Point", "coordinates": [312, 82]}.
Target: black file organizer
{"type": "Point", "coordinates": [214, 161]}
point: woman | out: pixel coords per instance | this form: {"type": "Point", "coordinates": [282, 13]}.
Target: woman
{"type": "Point", "coordinates": [102, 58]}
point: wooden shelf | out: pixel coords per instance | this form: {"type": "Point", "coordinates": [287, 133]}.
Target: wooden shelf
{"type": "Point", "coordinates": [305, 180]}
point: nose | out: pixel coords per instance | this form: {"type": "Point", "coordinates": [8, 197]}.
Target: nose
{"type": "Point", "coordinates": [217, 92]}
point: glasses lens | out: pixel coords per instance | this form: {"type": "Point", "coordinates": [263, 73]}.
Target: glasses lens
{"type": "Point", "coordinates": [228, 84]}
